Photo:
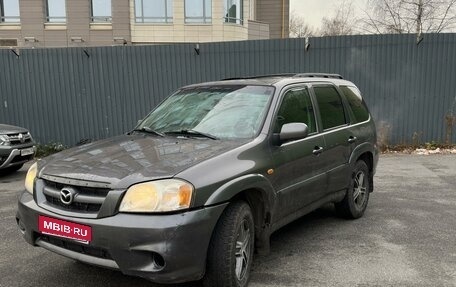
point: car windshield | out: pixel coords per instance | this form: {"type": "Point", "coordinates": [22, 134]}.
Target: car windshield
{"type": "Point", "coordinates": [225, 112]}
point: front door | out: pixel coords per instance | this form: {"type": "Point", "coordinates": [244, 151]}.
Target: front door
{"type": "Point", "coordinates": [299, 175]}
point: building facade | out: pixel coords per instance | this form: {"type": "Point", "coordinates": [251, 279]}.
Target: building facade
{"type": "Point", "coordinates": [75, 23]}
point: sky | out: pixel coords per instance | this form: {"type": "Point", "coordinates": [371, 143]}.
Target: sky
{"type": "Point", "coordinates": [313, 11]}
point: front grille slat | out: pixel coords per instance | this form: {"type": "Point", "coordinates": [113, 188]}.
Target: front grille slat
{"type": "Point", "coordinates": [86, 199]}
{"type": "Point", "coordinates": [15, 139]}
{"type": "Point", "coordinates": [18, 142]}
{"type": "Point", "coordinates": [89, 199]}
{"type": "Point", "coordinates": [51, 192]}
{"type": "Point", "coordinates": [75, 206]}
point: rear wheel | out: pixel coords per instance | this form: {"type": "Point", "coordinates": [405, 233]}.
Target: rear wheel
{"type": "Point", "coordinates": [230, 252]}
{"type": "Point", "coordinates": [355, 201]}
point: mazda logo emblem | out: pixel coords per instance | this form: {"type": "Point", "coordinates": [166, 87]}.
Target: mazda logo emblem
{"type": "Point", "coordinates": [67, 195]}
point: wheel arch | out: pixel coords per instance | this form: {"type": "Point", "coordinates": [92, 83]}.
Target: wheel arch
{"type": "Point", "coordinates": [259, 194]}
{"type": "Point", "coordinates": [261, 212]}
{"type": "Point", "coordinates": [368, 158]}
{"type": "Point", "coordinates": [365, 152]}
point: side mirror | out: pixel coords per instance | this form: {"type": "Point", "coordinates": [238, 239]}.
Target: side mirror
{"type": "Point", "coordinates": [293, 131]}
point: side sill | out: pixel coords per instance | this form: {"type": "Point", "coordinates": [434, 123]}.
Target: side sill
{"type": "Point", "coordinates": [334, 197]}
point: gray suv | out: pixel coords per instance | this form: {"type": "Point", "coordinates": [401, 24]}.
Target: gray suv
{"type": "Point", "coordinates": [205, 179]}
{"type": "Point", "coordinates": [16, 147]}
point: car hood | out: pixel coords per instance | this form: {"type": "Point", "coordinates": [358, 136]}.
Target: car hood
{"type": "Point", "coordinates": [7, 129]}
{"type": "Point", "coordinates": [125, 160]}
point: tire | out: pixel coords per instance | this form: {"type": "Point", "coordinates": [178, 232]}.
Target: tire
{"type": "Point", "coordinates": [355, 201]}
{"type": "Point", "coordinates": [230, 253]}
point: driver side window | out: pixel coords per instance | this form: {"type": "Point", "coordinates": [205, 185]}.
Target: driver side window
{"type": "Point", "coordinates": [296, 107]}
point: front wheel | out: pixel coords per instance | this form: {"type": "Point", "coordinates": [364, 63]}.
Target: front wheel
{"type": "Point", "coordinates": [230, 252]}
{"type": "Point", "coordinates": [355, 201]}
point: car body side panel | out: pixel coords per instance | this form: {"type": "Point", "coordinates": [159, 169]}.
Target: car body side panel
{"type": "Point", "coordinates": [364, 148]}
{"type": "Point", "coordinates": [247, 182]}
{"type": "Point", "coordinates": [300, 176]}
{"type": "Point", "coordinates": [335, 158]}
{"type": "Point", "coordinates": [235, 166]}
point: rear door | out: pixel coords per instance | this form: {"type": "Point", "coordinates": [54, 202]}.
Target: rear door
{"type": "Point", "coordinates": [299, 175]}
{"type": "Point", "coordinates": [338, 138]}
{"type": "Point", "coordinates": [359, 116]}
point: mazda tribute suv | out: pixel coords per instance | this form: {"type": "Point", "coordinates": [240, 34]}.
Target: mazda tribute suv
{"type": "Point", "coordinates": [204, 179]}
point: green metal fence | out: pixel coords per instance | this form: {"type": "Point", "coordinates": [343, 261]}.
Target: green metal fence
{"type": "Point", "coordinates": [65, 95]}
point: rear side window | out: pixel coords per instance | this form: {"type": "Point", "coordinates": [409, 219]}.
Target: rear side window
{"type": "Point", "coordinates": [330, 106]}
{"type": "Point", "coordinates": [356, 103]}
{"type": "Point", "coordinates": [296, 107]}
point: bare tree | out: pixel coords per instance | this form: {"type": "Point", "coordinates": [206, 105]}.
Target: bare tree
{"type": "Point", "coordinates": [299, 28]}
{"type": "Point", "coordinates": [410, 16]}
{"type": "Point", "coordinates": [343, 22]}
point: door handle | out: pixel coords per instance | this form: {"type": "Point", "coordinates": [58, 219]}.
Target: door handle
{"type": "Point", "coordinates": [317, 150]}
{"type": "Point", "coordinates": [352, 139]}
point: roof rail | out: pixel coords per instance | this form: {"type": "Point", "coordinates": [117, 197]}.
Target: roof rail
{"type": "Point", "coordinates": [261, 76]}
{"type": "Point", "coordinates": [293, 75]}
{"type": "Point", "coordinates": [318, 75]}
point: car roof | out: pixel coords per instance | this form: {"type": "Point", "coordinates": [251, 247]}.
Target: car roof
{"type": "Point", "coordinates": [277, 80]}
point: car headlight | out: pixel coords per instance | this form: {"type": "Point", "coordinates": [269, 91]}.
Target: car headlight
{"type": "Point", "coordinates": [4, 140]}
{"type": "Point", "coordinates": [157, 196]}
{"type": "Point", "coordinates": [30, 178]}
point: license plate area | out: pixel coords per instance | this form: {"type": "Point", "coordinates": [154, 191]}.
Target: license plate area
{"type": "Point", "coordinates": [65, 229]}
{"type": "Point", "coordinates": [26, 151]}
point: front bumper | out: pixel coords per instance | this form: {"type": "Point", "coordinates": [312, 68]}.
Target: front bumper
{"type": "Point", "coordinates": [13, 156]}
{"type": "Point", "coordinates": [131, 242]}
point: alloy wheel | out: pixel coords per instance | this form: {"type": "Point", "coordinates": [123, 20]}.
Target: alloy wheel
{"type": "Point", "coordinates": [242, 252]}
{"type": "Point", "coordinates": [359, 189]}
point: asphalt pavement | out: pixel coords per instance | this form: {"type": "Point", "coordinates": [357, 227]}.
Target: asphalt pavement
{"type": "Point", "coordinates": [407, 237]}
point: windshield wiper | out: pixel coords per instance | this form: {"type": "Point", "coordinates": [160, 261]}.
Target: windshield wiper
{"type": "Point", "coordinates": [193, 133]}
{"type": "Point", "coordinates": [149, 131]}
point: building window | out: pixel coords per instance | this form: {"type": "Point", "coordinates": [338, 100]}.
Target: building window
{"type": "Point", "coordinates": [9, 11]}
{"type": "Point", "coordinates": [233, 11]}
{"type": "Point", "coordinates": [55, 11]}
{"type": "Point", "coordinates": [101, 11]}
{"type": "Point", "coordinates": [198, 11]}
{"type": "Point", "coordinates": [154, 11]}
